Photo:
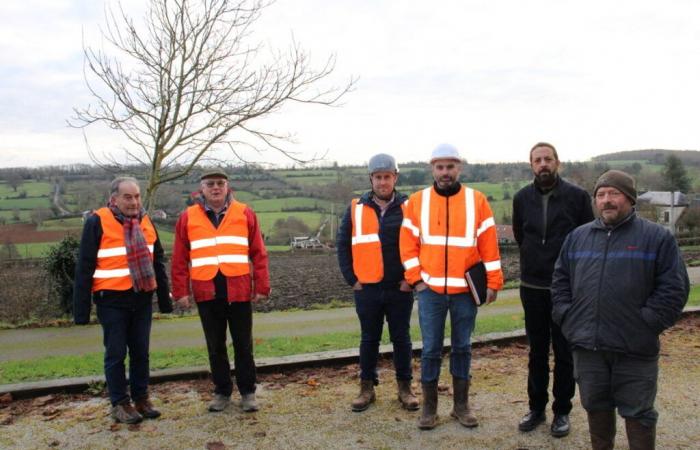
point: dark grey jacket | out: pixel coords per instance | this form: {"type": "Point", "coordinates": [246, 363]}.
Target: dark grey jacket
{"type": "Point", "coordinates": [618, 288]}
{"type": "Point", "coordinates": [540, 240]}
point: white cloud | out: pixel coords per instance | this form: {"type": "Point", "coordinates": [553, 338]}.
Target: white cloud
{"type": "Point", "coordinates": [491, 77]}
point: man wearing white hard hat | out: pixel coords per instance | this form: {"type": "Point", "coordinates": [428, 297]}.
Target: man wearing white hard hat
{"type": "Point", "coordinates": [368, 255]}
{"type": "Point", "coordinates": [448, 229]}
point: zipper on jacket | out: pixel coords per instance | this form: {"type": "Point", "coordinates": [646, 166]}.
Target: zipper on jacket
{"type": "Point", "coordinates": [544, 221]}
{"type": "Point", "coordinates": [447, 234]}
{"type": "Point", "coordinates": [600, 287]}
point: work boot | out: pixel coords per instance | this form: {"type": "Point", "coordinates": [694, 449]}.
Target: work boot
{"type": "Point", "coordinates": [560, 426]}
{"type": "Point", "coordinates": [601, 426]}
{"type": "Point", "coordinates": [460, 408]}
{"type": "Point", "coordinates": [639, 436]}
{"type": "Point", "coordinates": [249, 403]}
{"type": "Point", "coordinates": [146, 409]}
{"type": "Point", "coordinates": [125, 413]}
{"type": "Point", "coordinates": [366, 396]}
{"type": "Point", "coordinates": [428, 418]}
{"type": "Point", "coordinates": [531, 420]}
{"type": "Point", "coordinates": [219, 403]}
{"type": "Point", "coordinates": [406, 397]}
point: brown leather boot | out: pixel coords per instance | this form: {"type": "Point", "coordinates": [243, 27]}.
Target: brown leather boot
{"type": "Point", "coordinates": [601, 426]}
{"type": "Point", "coordinates": [146, 409]}
{"type": "Point", "coordinates": [428, 418]}
{"type": "Point", "coordinates": [639, 436]}
{"type": "Point", "coordinates": [366, 396]}
{"type": "Point", "coordinates": [125, 413]}
{"type": "Point", "coordinates": [406, 397]}
{"type": "Point", "coordinates": [460, 409]}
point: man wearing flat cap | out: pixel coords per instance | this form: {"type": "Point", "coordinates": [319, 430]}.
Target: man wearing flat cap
{"type": "Point", "coordinates": [220, 260]}
{"type": "Point", "coordinates": [618, 283]}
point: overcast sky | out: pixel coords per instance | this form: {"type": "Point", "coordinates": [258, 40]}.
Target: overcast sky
{"type": "Point", "coordinates": [491, 77]}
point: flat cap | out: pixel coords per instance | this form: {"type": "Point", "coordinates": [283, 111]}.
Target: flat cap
{"type": "Point", "coordinates": [214, 172]}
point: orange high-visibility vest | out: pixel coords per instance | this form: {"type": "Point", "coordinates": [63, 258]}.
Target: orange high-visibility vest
{"type": "Point", "coordinates": [224, 248]}
{"type": "Point", "coordinates": [112, 270]}
{"type": "Point", "coordinates": [441, 237]}
{"type": "Point", "coordinates": [367, 262]}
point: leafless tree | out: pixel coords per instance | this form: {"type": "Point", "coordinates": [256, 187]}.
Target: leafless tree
{"type": "Point", "coordinates": [189, 82]}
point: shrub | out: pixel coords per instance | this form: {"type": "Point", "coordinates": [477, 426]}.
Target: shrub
{"type": "Point", "coordinates": [59, 265]}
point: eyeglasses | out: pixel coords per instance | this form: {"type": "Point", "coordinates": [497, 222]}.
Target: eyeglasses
{"type": "Point", "coordinates": [212, 183]}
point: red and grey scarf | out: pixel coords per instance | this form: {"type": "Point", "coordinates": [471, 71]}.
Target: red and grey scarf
{"type": "Point", "coordinates": [138, 256]}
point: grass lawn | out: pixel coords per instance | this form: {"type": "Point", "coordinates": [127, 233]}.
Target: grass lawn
{"type": "Point", "coordinates": [25, 203]}
{"type": "Point", "coordinates": [9, 215]}
{"type": "Point", "coordinates": [91, 364]}
{"type": "Point", "coordinates": [277, 204]}
{"type": "Point", "coordinates": [311, 219]}
{"type": "Point", "coordinates": [62, 224]}
{"type": "Point", "coordinates": [35, 249]}
{"type": "Point", "coordinates": [32, 188]}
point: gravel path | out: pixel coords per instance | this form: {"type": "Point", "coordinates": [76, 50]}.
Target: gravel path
{"type": "Point", "coordinates": [309, 409]}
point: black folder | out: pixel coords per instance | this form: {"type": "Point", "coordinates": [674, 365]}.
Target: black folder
{"type": "Point", "coordinates": [476, 280]}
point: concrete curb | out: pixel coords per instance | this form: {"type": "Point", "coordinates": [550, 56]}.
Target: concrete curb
{"type": "Point", "coordinates": [264, 365]}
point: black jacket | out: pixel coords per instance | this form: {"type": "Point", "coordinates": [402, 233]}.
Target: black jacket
{"type": "Point", "coordinates": [618, 288]}
{"type": "Point", "coordinates": [85, 268]}
{"type": "Point", "coordinates": [568, 207]}
{"type": "Point", "coordinates": [389, 227]}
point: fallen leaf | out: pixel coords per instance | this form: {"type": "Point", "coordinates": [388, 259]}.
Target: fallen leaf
{"type": "Point", "coordinates": [134, 427]}
{"type": "Point", "coordinates": [312, 382]}
{"type": "Point", "coordinates": [6, 398]}
{"type": "Point", "coordinates": [259, 434]}
{"type": "Point", "coordinates": [215, 445]}
{"type": "Point", "coordinates": [6, 420]}
{"type": "Point", "coordinates": [45, 400]}
{"type": "Point", "coordinates": [54, 444]}
{"type": "Point", "coordinates": [115, 427]}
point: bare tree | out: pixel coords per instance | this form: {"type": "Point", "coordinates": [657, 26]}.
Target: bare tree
{"type": "Point", "coordinates": [189, 82]}
{"type": "Point", "coordinates": [14, 180]}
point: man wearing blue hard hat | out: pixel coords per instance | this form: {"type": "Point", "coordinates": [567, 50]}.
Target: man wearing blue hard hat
{"type": "Point", "coordinates": [368, 254]}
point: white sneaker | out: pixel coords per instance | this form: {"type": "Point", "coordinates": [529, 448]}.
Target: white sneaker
{"type": "Point", "coordinates": [219, 403]}
{"type": "Point", "coordinates": [248, 402]}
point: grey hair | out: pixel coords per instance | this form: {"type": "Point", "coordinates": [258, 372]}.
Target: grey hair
{"type": "Point", "coordinates": [117, 182]}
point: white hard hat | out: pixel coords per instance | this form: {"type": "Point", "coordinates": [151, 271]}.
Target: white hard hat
{"type": "Point", "coordinates": [445, 151]}
{"type": "Point", "coordinates": [382, 163]}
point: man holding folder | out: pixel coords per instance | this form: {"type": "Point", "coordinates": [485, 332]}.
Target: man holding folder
{"type": "Point", "coordinates": [447, 229]}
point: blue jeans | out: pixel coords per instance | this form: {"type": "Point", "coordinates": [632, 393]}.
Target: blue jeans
{"type": "Point", "coordinates": [124, 328]}
{"type": "Point", "coordinates": [432, 311]}
{"type": "Point", "coordinates": [373, 303]}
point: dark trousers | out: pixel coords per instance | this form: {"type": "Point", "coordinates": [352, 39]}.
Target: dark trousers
{"type": "Point", "coordinates": [609, 380]}
{"type": "Point", "coordinates": [122, 329]}
{"type": "Point", "coordinates": [373, 304]}
{"type": "Point", "coordinates": [216, 315]}
{"type": "Point", "coordinates": [540, 330]}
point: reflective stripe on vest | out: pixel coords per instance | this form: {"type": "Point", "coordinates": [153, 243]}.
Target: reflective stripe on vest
{"type": "Point", "coordinates": [112, 269]}
{"type": "Point", "coordinates": [460, 244]}
{"type": "Point", "coordinates": [222, 249]}
{"type": "Point", "coordinates": [367, 262]}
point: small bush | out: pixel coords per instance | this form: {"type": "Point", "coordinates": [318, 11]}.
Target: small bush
{"type": "Point", "coordinates": [59, 265]}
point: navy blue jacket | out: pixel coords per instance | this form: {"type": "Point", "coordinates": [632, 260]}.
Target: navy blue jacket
{"type": "Point", "coordinates": [389, 227]}
{"type": "Point", "coordinates": [618, 288]}
{"type": "Point", "coordinates": [540, 239]}
{"type": "Point", "coordinates": [85, 268]}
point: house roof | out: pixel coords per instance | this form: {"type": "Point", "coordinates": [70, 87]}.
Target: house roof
{"type": "Point", "coordinates": [663, 198]}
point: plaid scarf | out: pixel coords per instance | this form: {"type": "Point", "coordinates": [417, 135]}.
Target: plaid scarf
{"type": "Point", "coordinates": [138, 256]}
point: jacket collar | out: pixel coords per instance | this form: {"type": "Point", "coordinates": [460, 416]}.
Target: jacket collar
{"type": "Point", "coordinates": [450, 191]}
{"type": "Point", "coordinates": [554, 189]}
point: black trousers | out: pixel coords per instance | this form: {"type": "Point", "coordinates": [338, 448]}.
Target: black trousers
{"type": "Point", "coordinates": [216, 315]}
{"type": "Point", "coordinates": [541, 331]}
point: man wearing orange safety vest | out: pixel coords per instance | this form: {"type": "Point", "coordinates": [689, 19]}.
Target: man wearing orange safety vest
{"type": "Point", "coordinates": [219, 258]}
{"type": "Point", "coordinates": [448, 228]}
{"type": "Point", "coordinates": [120, 265]}
{"type": "Point", "coordinates": [368, 255]}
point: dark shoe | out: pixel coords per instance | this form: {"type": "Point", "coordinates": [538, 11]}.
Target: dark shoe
{"type": "Point", "coordinates": [560, 425]}
{"type": "Point", "coordinates": [639, 436]}
{"type": "Point", "coordinates": [146, 409]}
{"type": "Point", "coordinates": [530, 420]}
{"type": "Point", "coordinates": [406, 397]}
{"type": "Point", "coordinates": [460, 408]}
{"type": "Point", "coordinates": [428, 418]}
{"type": "Point", "coordinates": [219, 403]}
{"type": "Point", "coordinates": [125, 413]}
{"type": "Point", "coordinates": [601, 426]}
{"type": "Point", "coordinates": [365, 397]}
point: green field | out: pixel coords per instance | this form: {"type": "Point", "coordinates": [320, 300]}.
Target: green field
{"type": "Point", "coordinates": [278, 204]}
{"type": "Point", "coordinates": [28, 203]}
{"type": "Point", "coordinates": [311, 219]}
{"type": "Point", "coordinates": [32, 188]}
{"type": "Point", "coordinates": [24, 215]}
{"type": "Point", "coordinates": [62, 224]}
